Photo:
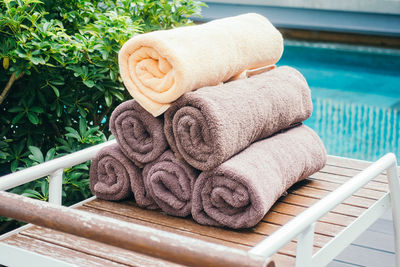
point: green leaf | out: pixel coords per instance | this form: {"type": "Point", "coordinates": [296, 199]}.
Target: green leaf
{"type": "Point", "coordinates": [58, 110]}
{"type": "Point", "coordinates": [37, 60]}
{"type": "Point", "coordinates": [17, 118]}
{"type": "Point", "coordinates": [56, 92]}
{"type": "Point", "coordinates": [50, 154]}
{"type": "Point", "coordinates": [119, 95]}
{"type": "Point", "coordinates": [3, 155]}
{"type": "Point", "coordinates": [14, 165]}
{"type": "Point", "coordinates": [15, 109]}
{"type": "Point", "coordinates": [32, 193]}
{"type": "Point", "coordinates": [33, 118]}
{"type": "Point", "coordinates": [89, 83]}
{"type": "Point", "coordinates": [36, 109]}
{"type": "Point", "coordinates": [36, 155]}
{"type": "Point", "coordinates": [82, 127]}
{"type": "Point", "coordinates": [44, 188]}
{"type": "Point", "coordinates": [73, 133]}
{"type": "Point", "coordinates": [108, 98]}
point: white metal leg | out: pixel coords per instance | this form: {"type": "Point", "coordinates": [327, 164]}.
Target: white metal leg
{"type": "Point", "coordinates": [55, 187]}
{"type": "Point", "coordinates": [394, 186]}
{"type": "Point", "coordinates": [15, 257]}
{"type": "Point", "coordinates": [328, 252]}
{"type": "Point", "coordinates": [43, 169]}
{"type": "Point", "coordinates": [305, 243]}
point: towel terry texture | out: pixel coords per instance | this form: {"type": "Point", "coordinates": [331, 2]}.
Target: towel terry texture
{"type": "Point", "coordinates": [170, 182]}
{"type": "Point", "coordinates": [208, 126]}
{"type": "Point", "coordinates": [110, 174]}
{"type": "Point", "coordinates": [240, 191]}
{"type": "Point", "coordinates": [158, 67]}
{"type": "Point", "coordinates": [139, 134]}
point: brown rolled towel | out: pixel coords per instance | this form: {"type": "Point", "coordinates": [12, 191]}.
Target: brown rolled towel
{"type": "Point", "coordinates": [210, 125]}
{"type": "Point", "coordinates": [139, 134]}
{"type": "Point", "coordinates": [110, 174]}
{"type": "Point", "coordinates": [240, 191]}
{"type": "Point", "coordinates": [170, 182]}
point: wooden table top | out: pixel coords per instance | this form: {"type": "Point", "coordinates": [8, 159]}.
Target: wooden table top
{"type": "Point", "coordinates": [84, 252]}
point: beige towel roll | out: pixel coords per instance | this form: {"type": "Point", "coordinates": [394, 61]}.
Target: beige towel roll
{"type": "Point", "coordinates": [158, 67]}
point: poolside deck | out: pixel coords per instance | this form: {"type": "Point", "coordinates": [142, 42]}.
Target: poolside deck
{"type": "Point", "coordinates": [373, 248]}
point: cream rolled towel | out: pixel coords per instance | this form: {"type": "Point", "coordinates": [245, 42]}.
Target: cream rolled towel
{"type": "Point", "coordinates": [239, 192]}
{"type": "Point", "coordinates": [158, 67]}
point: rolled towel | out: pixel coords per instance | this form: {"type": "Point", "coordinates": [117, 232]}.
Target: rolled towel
{"type": "Point", "coordinates": [170, 183]}
{"type": "Point", "coordinates": [158, 67]}
{"type": "Point", "coordinates": [209, 125]}
{"type": "Point", "coordinates": [138, 133]}
{"type": "Point", "coordinates": [240, 191]}
{"type": "Point", "coordinates": [110, 174]}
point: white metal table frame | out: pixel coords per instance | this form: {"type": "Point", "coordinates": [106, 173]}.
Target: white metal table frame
{"type": "Point", "coordinates": [302, 226]}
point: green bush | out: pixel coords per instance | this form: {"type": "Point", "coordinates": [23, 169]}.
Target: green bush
{"type": "Point", "coordinates": [59, 77]}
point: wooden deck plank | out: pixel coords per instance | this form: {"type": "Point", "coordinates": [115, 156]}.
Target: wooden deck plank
{"type": "Point", "coordinates": [383, 226]}
{"type": "Point", "coordinates": [376, 240]}
{"type": "Point", "coordinates": [99, 250]}
{"type": "Point", "coordinates": [336, 263]}
{"type": "Point", "coordinates": [366, 257]}
{"type": "Point", "coordinates": [57, 252]}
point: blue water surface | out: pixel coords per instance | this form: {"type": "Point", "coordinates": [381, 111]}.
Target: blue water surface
{"type": "Point", "coordinates": [356, 96]}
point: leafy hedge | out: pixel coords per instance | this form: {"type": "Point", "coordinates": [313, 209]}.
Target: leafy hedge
{"type": "Point", "coordinates": [59, 79]}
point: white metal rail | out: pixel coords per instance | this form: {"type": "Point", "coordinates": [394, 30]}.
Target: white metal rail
{"type": "Point", "coordinates": [54, 168]}
{"type": "Point", "coordinates": [302, 226]}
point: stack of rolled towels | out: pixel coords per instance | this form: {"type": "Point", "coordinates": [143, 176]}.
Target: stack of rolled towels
{"type": "Point", "coordinates": [214, 130]}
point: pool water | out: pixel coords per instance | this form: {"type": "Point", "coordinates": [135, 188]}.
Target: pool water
{"type": "Point", "coordinates": [356, 96]}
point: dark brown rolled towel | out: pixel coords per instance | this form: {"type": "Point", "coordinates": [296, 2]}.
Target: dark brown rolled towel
{"type": "Point", "coordinates": [240, 191]}
{"type": "Point", "coordinates": [110, 174]}
{"type": "Point", "coordinates": [139, 134]}
{"type": "Point", "coordinates": [208, 126]}
{"type": "Point", "coordinates": [170, 182]}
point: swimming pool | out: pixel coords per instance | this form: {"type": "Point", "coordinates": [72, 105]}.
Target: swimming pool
{"type": "Point", "coordinates": [356, 96]}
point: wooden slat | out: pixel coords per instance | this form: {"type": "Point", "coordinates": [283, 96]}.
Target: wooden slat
{"type": "Point", "coordinates": [164, 228]}
{"type": "Point", "coordinates": [57, 252]}
{"type": "Point", "coordinates": [307, 202]}
{"type": "Point", "coordinates": [129, 209]}
{"type": "Point", "coordinates": [332, 218]}
{"type": "Point", "coordinates": [340, 179]}
{"type": "Point", "coordinates": [320, 227]}
{"type": "Point", "coordinates": [329, 186]}
{"type": "Point", "coordinates": [319, 194]}
{"type": "Point", "coordinates": [99, 250]}
{"type": "Point", "coordinates": [350, 172]}
{"type": "Point", "coordinates": [125, 235]}
{"type": "Point", "coordinates": [348, 163]}
{"type": "Point", "coordinates": [268, 228]}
